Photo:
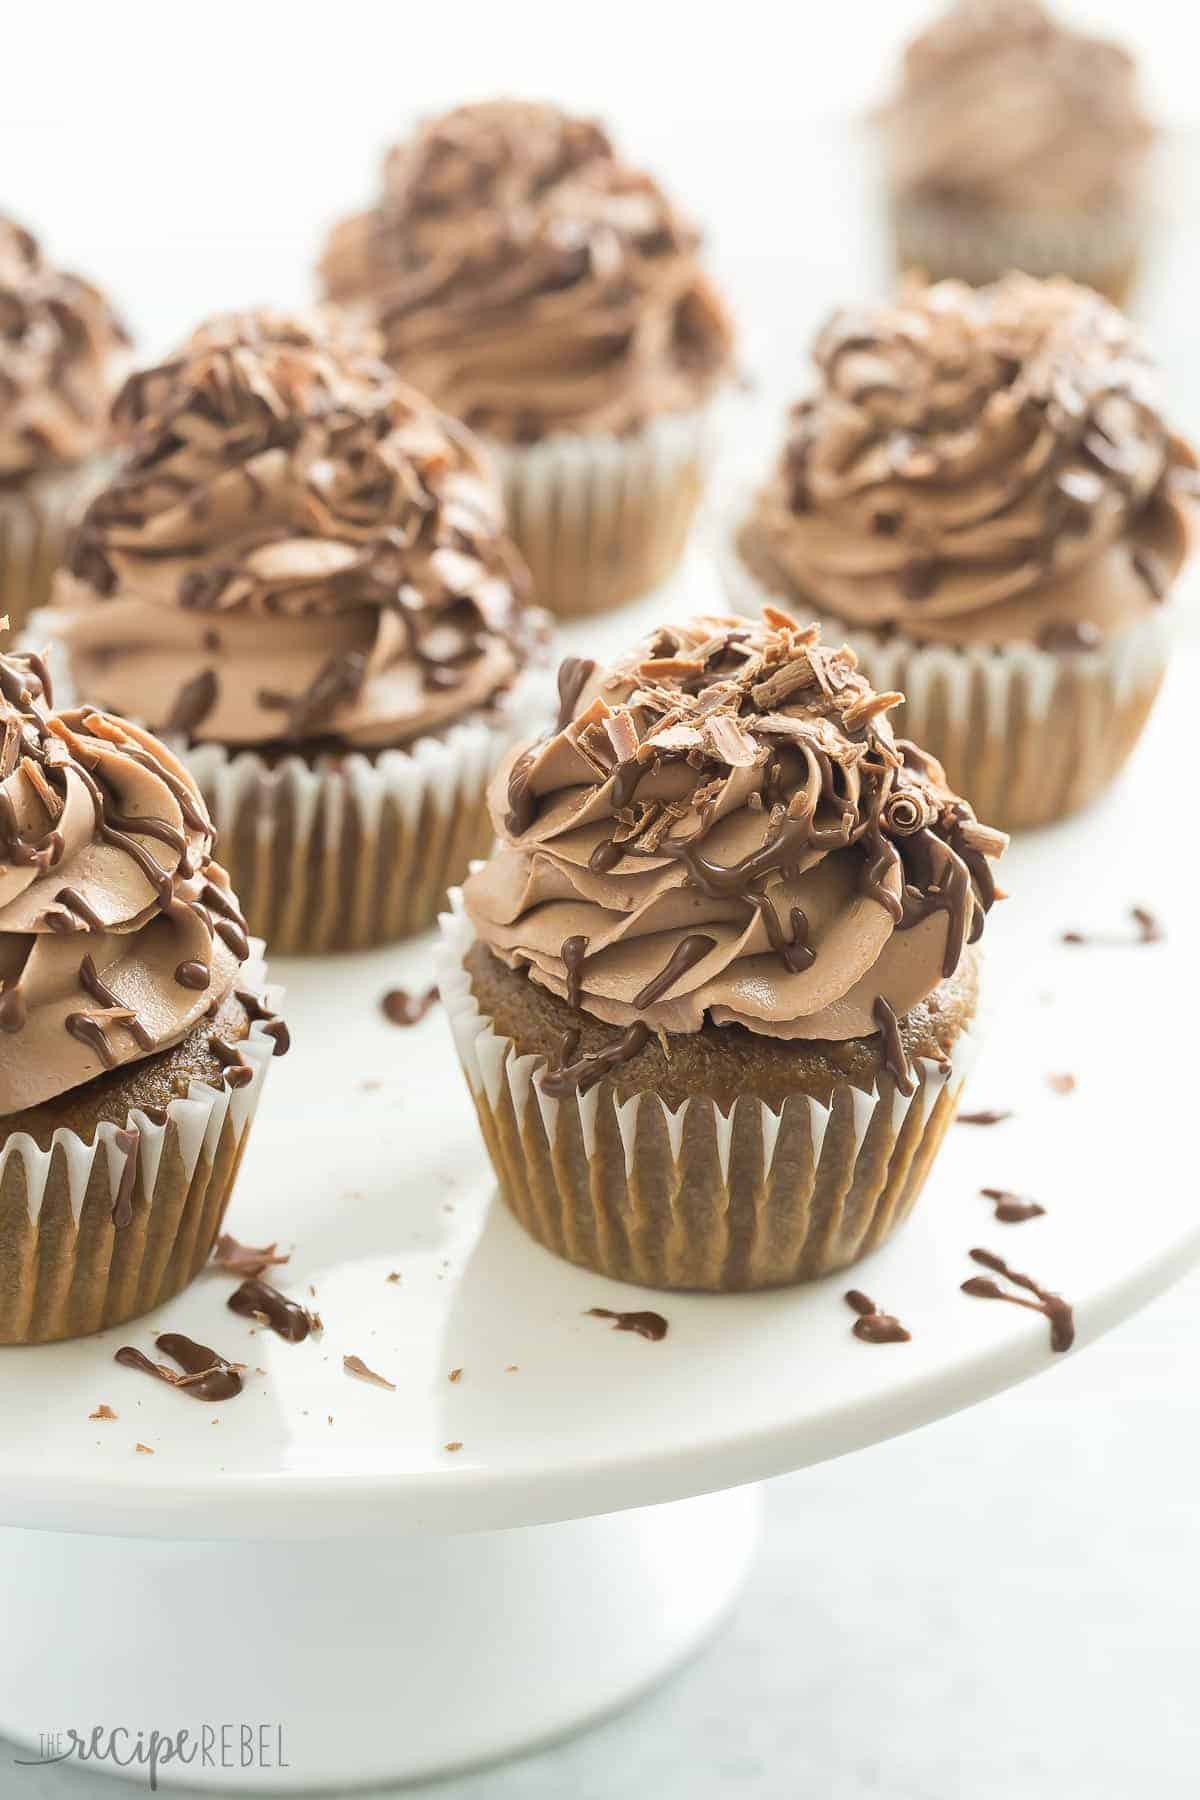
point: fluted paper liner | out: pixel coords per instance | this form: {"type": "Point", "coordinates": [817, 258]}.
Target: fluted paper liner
{"type": "Point", "coordinates": [695, 1197]}
{"type": "Point", "coordinates": [350, 850]}
{"type": "Point", "coordinates": [36, 518]}
{"type": "Point", "coordinates": [1026, 735]}
{"type": "Point", "coordinates": [1102, 249]}
{"type": "Point", "coordinates": [600, 519]}
{"type": "Point", "coordinates": [66, 1268]}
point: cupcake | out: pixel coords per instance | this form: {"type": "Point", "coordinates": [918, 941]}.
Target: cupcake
{"type": "Point", "coordinates": [1014, 143]}
{"type": "Point", "coordinates": [714, 992]}
{"type": "Point", "coordinates": [135, 1030]}
{"type": "Point", "coordinates": [982, 489]}
{"type": "Point", "coordinates": [60, 346]}
{"type": "Point", "coordinates": [553, 298]}
{"type": "Point", "coordinates": [300, 573]}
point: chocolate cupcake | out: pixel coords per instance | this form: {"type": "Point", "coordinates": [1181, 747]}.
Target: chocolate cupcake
{"type": "Point", "coordinates": [983, 491]}
{"type": "Point", "coordinates": [60, 350]}
{"type": "Point", "coordinates": [552, 297]}
{"type": "Point", "coordinates": [301, 572]}
{"type": "Point", "coordinates": [714, 991]}
{"type": "Point", "coordinates": [135, 1030]}
{"type": "Point", "coordinates": [1015, 143]}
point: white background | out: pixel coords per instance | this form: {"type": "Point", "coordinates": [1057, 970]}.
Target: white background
{"type": "Point", "coordinates": [1004, 1605]}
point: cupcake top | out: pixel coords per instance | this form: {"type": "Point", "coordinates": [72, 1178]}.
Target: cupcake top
{"type": "Point", "coordinates": [117, 931]}
{"type": "Point", "coordinates": [58, 342]}
{"type": "Point", "coordinates": [723, 828]}
{"type": "Point", "coordinates": [1002, 107]}
{"type": "Point", "coordinates": [531, 281]}
{"type": "Point", "coordinates": [297, 548]}
{"type": "Point", "coordinates": [977, 464]}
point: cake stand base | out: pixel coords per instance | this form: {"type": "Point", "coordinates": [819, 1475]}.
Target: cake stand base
{"type": "Point", "coordinates": [338, 1663]}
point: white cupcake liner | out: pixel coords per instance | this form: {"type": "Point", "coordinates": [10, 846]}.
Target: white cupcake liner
{"type": "Point", "coordinates": [1027, 735]}
{"type": "Point", "coordinates": [695, 1197]}
{"type": "Point", "coordinates": [36, 519]}
{"type": "Point", "coordinates": [1100, 248]}
{"type": "Point", "coordinates": [69, 1265]}
{"type": "Point", "coordinates": [602, 519]}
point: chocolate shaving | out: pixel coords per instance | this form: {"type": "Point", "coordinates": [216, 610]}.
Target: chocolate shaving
{"type": "Point", "coordinates": [985, 1116]}
{"type": "Point", "coordinates": [354, 1365]}
{"type": "Point", "coordinates": [193, 704]}
{"type": "Point", "coordinates": [245, 1259]}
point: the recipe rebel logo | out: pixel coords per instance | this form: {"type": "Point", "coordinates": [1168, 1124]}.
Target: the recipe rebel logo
{"type": "Point", "coordinates": [144, 1752]}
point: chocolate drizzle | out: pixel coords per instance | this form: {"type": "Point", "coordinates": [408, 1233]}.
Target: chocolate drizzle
{"type": "Point", "coordinates": [686, 954]}
{"type": "Point", "coordinates": [895, 1056]}
{"type": "Point", "coordinates": [206, 1374]}
{"type": "Point", "coordinates": [577, 1076]}
{"type": "Point", "coordinates": [574, 955]}
{"type": "Point", "coordinates": [574, 673]}
{"type": "Point", "coordinates": [650, 1325]}
{"type": "Point", "coordinates": [873, 1326]}
{"type": "Point", "coordinates": [1052, 1306]}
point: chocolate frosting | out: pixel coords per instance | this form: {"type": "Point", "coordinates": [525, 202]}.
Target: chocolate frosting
{"type": "Point", "coordinates": [297, 548]}
{"type": "Point", "coordinates": [727, 830]}
{"type": "Point", "coordinates": [977, 464]}
{"type": "Point", "coordinates": [59, 340]}
{"type": "Point", "coordinates": [117, 931]}
{"type": "Point", "coordinates": [531, 281]}
{"type": "Point", "coordinates": [1002, 107]}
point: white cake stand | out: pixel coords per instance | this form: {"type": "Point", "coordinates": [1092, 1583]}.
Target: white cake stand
{"type": "Point", "coordinates": [314, 1557]}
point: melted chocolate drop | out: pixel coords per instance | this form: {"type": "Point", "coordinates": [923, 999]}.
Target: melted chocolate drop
{"type": "Point", "coordinates": [1010, 1208]}
{"type": "Point", "coordinates": [650, 1325]}
{"type": "Point", "coordinates": [259, 1300]}
{"type": "Point", "coordinates": [206, 1374]}
{"type": "Point", "coordinates": [873, 1326]}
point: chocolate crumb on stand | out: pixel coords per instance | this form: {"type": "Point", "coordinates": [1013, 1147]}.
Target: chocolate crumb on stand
{"type": "Point", "coordinates": [1147, 930]}
{"type": "Point", "coordinates": [873, 1326]}
{"type": "Point", "coordinates": [990, 1115]}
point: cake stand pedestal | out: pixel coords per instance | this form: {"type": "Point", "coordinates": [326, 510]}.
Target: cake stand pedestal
{"type": "Point", "coordinates": [348, 1662]}
{"type": "Point", "coordinates": [532, 1524]}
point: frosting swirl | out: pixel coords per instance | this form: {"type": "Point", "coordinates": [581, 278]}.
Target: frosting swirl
{"type": "Point", "coordinates": [297, 548]}
{"type": "Point", "coordinates": [977, 463]}
{"type": "Point", "coordinates": [723, 828]}
{"type": "Point", "coordinates": [117, 931]}
{"type": "Point", "coordinates": [59, 339]}
{"type": "Point", "coordinates": [529, 280]}
{"type": "Point", "coordinates": [1002, 107]}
